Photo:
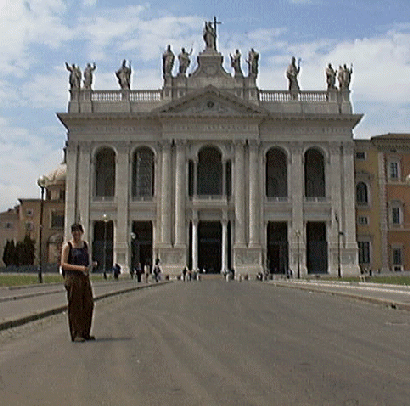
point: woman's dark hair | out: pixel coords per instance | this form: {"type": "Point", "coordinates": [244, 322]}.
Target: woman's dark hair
{"type": "Point", "coordinates": [77, 227]}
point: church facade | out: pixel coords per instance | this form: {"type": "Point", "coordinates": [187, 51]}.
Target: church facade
{"type": "Point", "coordinates": [211, 172]}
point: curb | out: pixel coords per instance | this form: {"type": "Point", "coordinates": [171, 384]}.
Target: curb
{"type": "Point", "coordinates": [384, 302]}
{"type": "Point", "coordinates": [60, 309]}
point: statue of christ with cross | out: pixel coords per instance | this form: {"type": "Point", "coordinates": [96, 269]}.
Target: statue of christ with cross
{"type": "Point", "coordinates": [210, 34]}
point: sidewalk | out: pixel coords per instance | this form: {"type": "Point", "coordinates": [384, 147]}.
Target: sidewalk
{"type": "Point", "coordinates": [394, 296]}
{"type": "Point", "coordinates": [29, 303]}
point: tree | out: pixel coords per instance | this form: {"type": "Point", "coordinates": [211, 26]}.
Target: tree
{"type": "Point", "coordinates": [9, 254]}
{"type": "Point", "coordinates": [25, 251]}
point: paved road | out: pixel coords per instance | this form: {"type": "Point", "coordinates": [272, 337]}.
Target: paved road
{"type": "Point", "coordinates": [214, 343]}
{"type": "Point", "coordinates": [25, 304]}
{"type": "Point", "coordinates": [395, 296]}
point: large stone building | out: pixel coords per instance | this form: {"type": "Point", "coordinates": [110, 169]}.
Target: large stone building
{"type": "Point", "coordinates": [212, 172]}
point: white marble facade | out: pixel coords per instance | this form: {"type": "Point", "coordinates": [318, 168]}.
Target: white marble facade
{"type": "Point", "coordinates": [211, 171]}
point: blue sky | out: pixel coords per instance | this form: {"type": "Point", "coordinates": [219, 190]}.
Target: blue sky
{"type": "Point", "coordinates": [39, 36]}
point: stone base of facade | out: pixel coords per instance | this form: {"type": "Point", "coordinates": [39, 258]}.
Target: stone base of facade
{"type": "Point", "coordinates": [172, 260]}
{"type": "Point", "coordinates": [247, 261]}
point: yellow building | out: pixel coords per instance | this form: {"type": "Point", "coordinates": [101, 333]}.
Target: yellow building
{"type": "Point", "coordinates": [394, 167]}
{"type": "Point", "coordinates": [368, 206]}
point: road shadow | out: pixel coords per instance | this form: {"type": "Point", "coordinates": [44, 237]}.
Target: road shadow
{"type": "Point", "coordinates": [112, 339]}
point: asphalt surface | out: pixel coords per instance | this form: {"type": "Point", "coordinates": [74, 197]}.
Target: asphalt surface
{"type": "Point", "coordinates": [214, 343]}
{"type": "Point", "coordinates": [20, 305]}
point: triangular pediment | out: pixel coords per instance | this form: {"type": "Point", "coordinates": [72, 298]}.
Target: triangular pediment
{"type": "Point", "coordinates": [210, 101]}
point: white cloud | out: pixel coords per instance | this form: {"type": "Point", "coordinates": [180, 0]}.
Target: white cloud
{"type": "Point", "coordinates": [24, 157]}
{"type": "Point", "coordinates": [89, 3]}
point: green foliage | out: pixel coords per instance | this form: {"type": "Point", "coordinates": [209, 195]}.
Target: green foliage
{"type": "Point", "coordinates": [25, 251]}
{"type": "Point", "coordinates": [9, 254]}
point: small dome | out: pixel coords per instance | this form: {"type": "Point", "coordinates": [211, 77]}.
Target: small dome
{"type": "Point", "coordinates": [57, 176]}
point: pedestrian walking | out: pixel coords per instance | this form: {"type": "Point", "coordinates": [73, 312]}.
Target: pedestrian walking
{"type": "Point", "coordinates": [76, 264]}
{"type": "Point", "coordinates": [116, 270]}
{"type": "Point", "coordinates": [138, 272]}
{"type": "Point", "coordinates": [157, 271]}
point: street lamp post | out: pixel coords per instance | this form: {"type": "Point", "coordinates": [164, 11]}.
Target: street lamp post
{"type": "Point", "coordinates": [339, 234]}
{"type": "Point", "coordinates": [298, 233]}
{"type": "Point", "coordinates": [105, 219]}
{"type": "Point", "coordinates": [41, 182]}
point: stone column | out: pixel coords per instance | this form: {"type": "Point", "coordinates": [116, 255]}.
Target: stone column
{"type": "Point", "coordinates": [239, 195]}
{"type": "Point", "coordinates": [122, 192]}
{"type": "Point", "coordinates": [194, 244]}
{"type": "Point", "coordinates": [166, 195]}
{"type": "Point", "coordinates": [180, 194]}
{"type": "Point", "coordinates": [296, 180]}
{"type": "Point", "coordinates": [254, 196]}
{"type": "Point", "coordinates": [224, 244]}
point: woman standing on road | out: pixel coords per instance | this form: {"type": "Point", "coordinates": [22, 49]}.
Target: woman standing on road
{"type": "Point", "coordinates": [75, 262]}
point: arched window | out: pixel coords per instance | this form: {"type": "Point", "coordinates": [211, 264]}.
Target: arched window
{"type": "Point", "coordinates": [315, 184]}
{"type": "Point", "coordinates": [361, 194]}
{"type": "Point", "coordinates": [105, 172]}
{"type": "Point", "coordinates": [209, 172]}
{"type": "Point", "coordinates": [276, 173]}
{"type": "Point", "coordinates": [143, 173]}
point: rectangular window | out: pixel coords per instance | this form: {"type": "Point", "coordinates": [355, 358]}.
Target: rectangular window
{"type": "Point", "coordinates": [397, 256]}
{"type": "Point", "coordinates": [394, 170]}
{"type": "Point", "coordinates": [364, 252]}
{"type": "Point", "coordinates": [361, 156]}
{"type": "Point", "coordinates": [395, 215]}
{"type": "Point", "coordinates": [363, 220]}
{"type": "Point", "coordinates": [57, 220]}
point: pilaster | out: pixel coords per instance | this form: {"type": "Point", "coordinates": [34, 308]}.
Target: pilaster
{"type": "Point", "coordinates": [71, 187]}
{"type": "Point", "coordinates": [254, 196]}
{"type": "Point", "coordinates": [349, 260]}
{"type": "Point", "coordinates": [166, 194]}
{"type": "Point", "coordinates": [84, 187]}
{"type": "Point", "coordinates": [239, 195]}
{"type": "Point", "coordinates": [180, 194]}
{"type": "Point", "coordinates": [297, 188]}
{"type": "Point", "coordinates": [121, 243]}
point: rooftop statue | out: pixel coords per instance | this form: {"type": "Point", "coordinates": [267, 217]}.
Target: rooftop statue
{"type": "Point", "coordinates": [236, 62]}
{"type": "Point", "coordinates": [344, 76]}
{"type": "Point", "coordinates": [168, 59]}
{"type": "Point", "coordinates": [330, 77]}
{"type": "Point", "coordinates": [184, 61]}
{"type": "Point", "coordinates": [75, 76]}
{"type": "Point", "coordinates": [253, 63]}
{"type": "Point", "coordinates": [210, 35]}
{"type": "Point", "coordinates": [292, 75]}
{"type": "Point", "coordinates": [124, 76]}
{"type": "Point", "coordinates": [88, 75]}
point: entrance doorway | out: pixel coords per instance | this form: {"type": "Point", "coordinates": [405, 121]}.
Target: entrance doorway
{"type": "Point", "coordinates": [316, 255]}
{"type": "Point", "coordinates": [277, 241]}
{"type": "Point", "coordinates": [103, 245]}
{"type": "Point", "coordinates": [210, 246]}
{"type": "Point", "coordinates": [141, 243]}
